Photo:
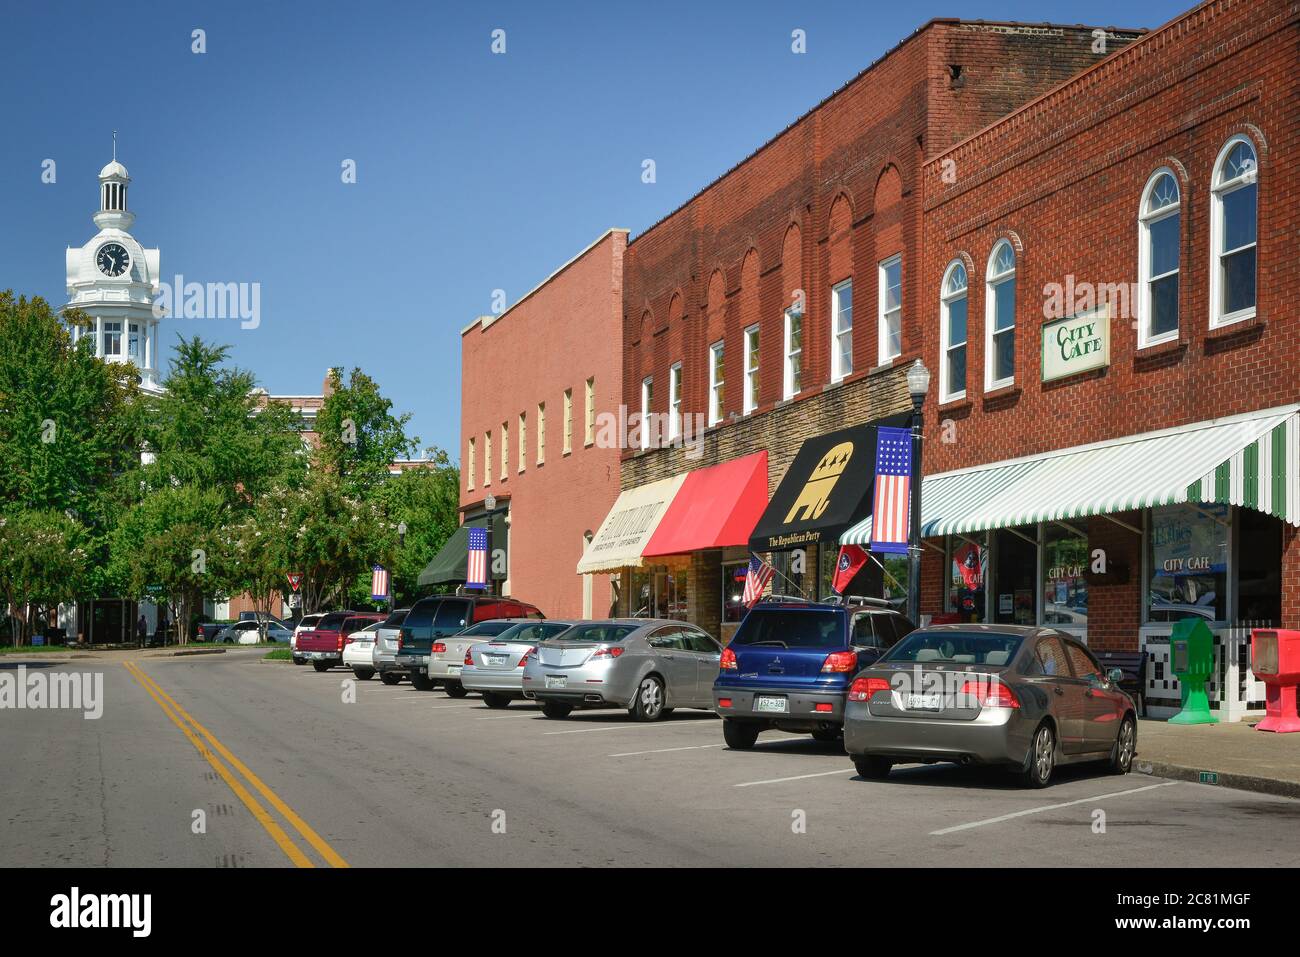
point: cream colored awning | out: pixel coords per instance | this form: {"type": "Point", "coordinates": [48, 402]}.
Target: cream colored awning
{"type": "Point", "coordinates": [628, 526]}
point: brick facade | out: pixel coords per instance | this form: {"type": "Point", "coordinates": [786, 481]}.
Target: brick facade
{"type": "Point", "coordinates": [561, 334]}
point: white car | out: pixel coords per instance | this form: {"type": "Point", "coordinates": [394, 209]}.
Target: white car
{"type": "Point", "coordinates": [249, 633]}
{"type": "Point", "coordinates": [359, 652]}
{"type": "Point", "coordinates": [306, 623]}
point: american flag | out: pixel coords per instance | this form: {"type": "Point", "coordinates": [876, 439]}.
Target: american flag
{"type": "Point", "coordinates": [890, 508]}
{"type": "Point", "coordinates": [756, 579]}
{"type": "Point", "coordinates": [378, 583]}
{"type": "Point", "coordinates": [476, 567]}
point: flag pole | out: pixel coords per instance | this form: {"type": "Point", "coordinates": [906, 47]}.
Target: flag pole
{"type": "Point", "coordinates": [777, 571]}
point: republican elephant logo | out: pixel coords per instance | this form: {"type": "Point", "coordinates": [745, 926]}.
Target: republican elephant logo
{"type": "Point", "coordinates": [816, 495]}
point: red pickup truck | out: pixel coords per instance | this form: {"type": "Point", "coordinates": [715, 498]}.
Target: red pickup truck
{"type": "Point", "coordinates": [323, 646]}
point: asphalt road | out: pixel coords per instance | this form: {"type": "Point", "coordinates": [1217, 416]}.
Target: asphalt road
{"type": "Point", "coordinates": [286, 772]}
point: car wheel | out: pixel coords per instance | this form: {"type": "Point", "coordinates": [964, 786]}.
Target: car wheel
{"type": "Point", "coordinates": [873, 767]}
{"type": "Point", "coordinates": [421, 682]}
{"type": "Point", "coordinates": [556, 709]}
{"type": "Point", "coordinates": [648, 703]}
{"type": "Point", "coordinates": [493, 700]}
{"type": "Point", "coordinates": [739, 735]}
{"type": "Point", "coordinates": [321, 665]}
{"type": "Point", "coordinates": [1041, 759]}
{"type": "Point", "coordinates": [454, 689]}
{"type": "Point", "coordinates": [1121, 756]}
{"type": "Point", "coordinates": [363, 674]}
{"type": "Point", "coordinates": [390, 678]}
{"type": "Point", "coordinates": [299, 661]}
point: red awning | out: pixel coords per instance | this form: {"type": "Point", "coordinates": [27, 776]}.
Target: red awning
{"type": "Point", "coordinates": [716, 507]}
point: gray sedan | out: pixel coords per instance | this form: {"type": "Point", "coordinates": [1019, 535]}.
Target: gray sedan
{"type": "Point", "coordinates": [648, 667]}
{"type": "Point", "coordinates": [1024, 698]}
{"type": "Point", "coordinates": [495, 668]}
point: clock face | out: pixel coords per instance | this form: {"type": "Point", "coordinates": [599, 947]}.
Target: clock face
{"type": "Point", "coordinates": [112, 259]}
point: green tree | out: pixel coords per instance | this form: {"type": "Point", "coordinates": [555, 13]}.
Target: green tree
{"type": "Point", "coordinates": [42, 561]}
{"type": "Point", "coordinates": [427, 501]}
{"type": "Point", "coordinates": [359, 435]}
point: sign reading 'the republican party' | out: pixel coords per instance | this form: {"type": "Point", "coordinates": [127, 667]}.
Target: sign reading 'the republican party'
{"type": "Point", "coordinates": [1076, 344]}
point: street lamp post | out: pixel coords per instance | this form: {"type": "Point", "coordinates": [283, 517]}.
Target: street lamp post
{"type": "Point", "coordinates": [918, 384]}
{"type": "Point", "coordinates": [392, 587]}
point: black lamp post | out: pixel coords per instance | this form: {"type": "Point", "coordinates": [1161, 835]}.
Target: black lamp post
{"type": "Point", "coordinates": [392, 586]}
{"type": "Point", "coordinates": [918, 384]}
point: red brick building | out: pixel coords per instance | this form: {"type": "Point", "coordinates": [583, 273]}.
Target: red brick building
{"type": "Point", "coordinates": [533, 380]}
{"type": "Point", "coordinates": [1105, 299]}
{"type": "Point", "coordinates": [782, 302]}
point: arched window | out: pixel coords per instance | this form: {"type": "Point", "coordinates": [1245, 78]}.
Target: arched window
{"type": "Point", "coordinates": [1159, 235]}
{"type": "Point", "coordinates": [1000, 318]}
{"type": "Point", "coordinates": [1233, 232]}
{"type": "Point", "coordinates": [952, 360]}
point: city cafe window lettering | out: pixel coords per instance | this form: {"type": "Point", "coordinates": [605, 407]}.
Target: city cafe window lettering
{"type": "Point", "coordinates": [1188, 561]}
{"type": "Point", "coordinates": [1065, 590]}
{"type": "Point", "coordinates": [967, 573]}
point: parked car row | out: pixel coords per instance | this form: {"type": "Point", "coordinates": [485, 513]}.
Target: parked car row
{"type": "Point", "coordinates": [855, 670]}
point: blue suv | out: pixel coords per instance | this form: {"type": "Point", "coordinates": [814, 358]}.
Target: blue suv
{"type": "Point", "coordinates": [790, 664]}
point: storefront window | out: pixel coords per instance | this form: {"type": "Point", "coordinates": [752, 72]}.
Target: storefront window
{"type": "Point", "coordinates": [1259, 567]}
{"type": "Point", "coordinates": [1017, 567]}
{"type": "Point", "coordinates": [733, 590]}
{"type": "Point", "coordinates": [1188, 554]}
{"type": "Point", "coordinates": [658, 592]}
{"type": "Point", "coordinates": [1065, 590]}
{"type": "Point", "coordinates": [968, 571]}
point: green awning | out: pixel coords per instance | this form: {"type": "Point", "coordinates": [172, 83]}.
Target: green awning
{"type": "Point", "coordinates": [1248, 460]}
{"type": "Point", "coordinates": [448, 566]}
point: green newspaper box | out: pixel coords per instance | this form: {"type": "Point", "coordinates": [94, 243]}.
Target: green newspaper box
{"type": "Point", "coordinates": [1191, 658]}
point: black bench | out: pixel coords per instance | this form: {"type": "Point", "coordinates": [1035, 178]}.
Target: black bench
{"type": "Point", "coordinates": [1134, 666]}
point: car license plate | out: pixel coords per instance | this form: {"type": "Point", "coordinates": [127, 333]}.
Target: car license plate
{"type": "Point", "coordinates": [557, 681]}
{"type": "Point", "coordinates": [924, 702]}
{"type": "Point", "coordinates": [768, 703]}
{"type": "Point", "coordinates": [495, 661]}
{"type": "Point", "coordinates": [454, 669]}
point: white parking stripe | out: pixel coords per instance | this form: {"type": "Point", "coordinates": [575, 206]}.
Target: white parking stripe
{"type": "Point", "coordinates": [690, 747]}
{"type": "Point", "coordinates": [1049, 807]}
{"type": "Point", "coordinates": [644, 727]}
{"type": "Point", "coordinates": [797, 777]}
{"type": "Point", "coordinates": [507, 717]}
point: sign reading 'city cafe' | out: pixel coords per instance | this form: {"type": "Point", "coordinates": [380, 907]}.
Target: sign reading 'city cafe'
{"type": "Point", "coordinates": [1076, 344]}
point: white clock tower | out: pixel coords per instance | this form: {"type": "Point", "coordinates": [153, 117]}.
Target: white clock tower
{"type": "Point", "coordinates": [115, 281]}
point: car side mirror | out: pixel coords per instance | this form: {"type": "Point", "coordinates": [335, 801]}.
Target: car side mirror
{"type": "Point", "coordinates": [1116, 675]}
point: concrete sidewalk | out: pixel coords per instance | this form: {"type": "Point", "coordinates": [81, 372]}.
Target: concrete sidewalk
{"type": "Point", "coordinates": [1233, 755]}
{"type": "Point", "coordinates": [114, 654]}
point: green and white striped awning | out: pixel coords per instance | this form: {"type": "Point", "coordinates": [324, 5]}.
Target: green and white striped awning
{"type": "Point", "coordinates": [1249, 460]}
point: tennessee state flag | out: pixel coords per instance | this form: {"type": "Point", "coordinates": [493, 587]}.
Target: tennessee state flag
{"type": "Point", "coordinates": [850, 562]}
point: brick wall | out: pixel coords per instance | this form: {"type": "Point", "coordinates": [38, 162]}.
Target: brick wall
{"type": "Point", "coordinates": [559, 335]}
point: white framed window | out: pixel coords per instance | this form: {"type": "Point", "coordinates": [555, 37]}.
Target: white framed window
{"type": "Point", "coordinates": [590, 427]}
{"type": "Point", "coordinates": [1000, 318]}
{"type": "Point", "coordinates": [487, 459]}
{"type": "Point", "coordinates": [792, 373]}
{"type": "Point", "coordinates": [523, 441]}
{"type": "Point", "coordinates": [1159, 236]}
{"type": "Point", "coordinates": [890, 284]}
{"type": "Point", "coordinates": [674, 401]}
{"type": "Point", "coordinates": [541, 433]}
{"type": "Point", "coordinates": [469, 471]}
{"type": "Point", "coordinates": [133, 342]}
{"type": "Point", "coordinates": [751, 369]}
{"type": "Point", "coordinates": [841, 330]}
{"type": "Point", "coordinates": [717, 383]}
{"type": "Point", "coordinates": [112, 338]}
{"type": "Point", "coordinates": [568, 421]}
{"type": "Point", "coordinates": [952, 321]}
{"type": "Point", "coordinates": [505, 451]}
{"type": "Point", "coordinates": [1233, 233]}
{"type": "Point", "coordinates": [647, 403]}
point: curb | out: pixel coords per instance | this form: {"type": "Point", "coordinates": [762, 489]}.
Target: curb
{"type": "Point", "coordinates": [1225, 779]}
{"type": "Point", "coordinates": [184, 654]}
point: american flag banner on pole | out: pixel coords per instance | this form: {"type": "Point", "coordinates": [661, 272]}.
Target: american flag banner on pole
{"type": "Point", "coordinates": [890, 507]}
{"type": "Point", "coordinates": [378, 583]}
{"type": "Point", "coordinates": [476, 569]}
{"type": "Point", "coordinates": [756, 579]}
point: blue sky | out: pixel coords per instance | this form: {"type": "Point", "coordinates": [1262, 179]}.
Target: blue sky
{"type": "Point", "coordinates": [475, 171]}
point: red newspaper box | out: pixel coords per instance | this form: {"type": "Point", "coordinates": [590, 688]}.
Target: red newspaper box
{"type": "Point", "coordinates": [1275, 659]}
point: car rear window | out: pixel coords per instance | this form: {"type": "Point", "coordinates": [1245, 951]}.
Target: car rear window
{"type": "Point", "coordinates": [395, 619]}
{"type": "Point", "coordinates": [356, 624]}
{"type": "Point", "coordinates": [333, 620]}
{"type": "Point", "coordinates": [598, 633]}
{"type": "Point", "coordinates": [791, 629]}
{"type": "Point", "coordinates": [494, 627]}
{"type": "Point", "coordinates": [959, 647]}
{"type": "Point", "coordinates": [452, 614]}
{"type": "Point", "coordinates": [534, 631]}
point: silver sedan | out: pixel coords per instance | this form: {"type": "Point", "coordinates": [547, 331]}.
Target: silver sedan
{"type": "Point", "coordinates": [495, 668]}
{"type": "Point", "coordinates": [647, 666]}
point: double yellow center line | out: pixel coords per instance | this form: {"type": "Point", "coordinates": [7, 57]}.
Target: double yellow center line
{"type": "Point", "coordinates": [206, 743]}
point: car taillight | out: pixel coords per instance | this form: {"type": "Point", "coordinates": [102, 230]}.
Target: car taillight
{"type": "Point", "coordinates": [838, 662]}
{"type": "Point", "coordinates": [990, 693]}
{"type": "Point", "coordinates": [438, 648]}
{"type": "Point", "coordinates": [728, 662]}
{"type": "Point", "coordinates": [607, 652]}
{"type": "Point", "coordinates": [468, 659]}
{"type": "Point", "coordinates": [527, 654]}
{"type": "Point", "coordinates": [340, 642]}
{"type": "Point", "coordinates": [724, 702]}
{"type": "Point", "coordinates": [399, 641]}
{"type": "Point", "coordinates": [863, 688]}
